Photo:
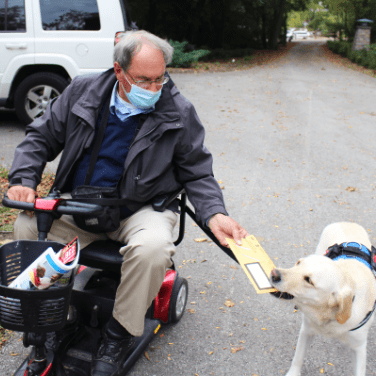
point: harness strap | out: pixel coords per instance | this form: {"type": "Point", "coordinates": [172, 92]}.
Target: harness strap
{"type": "Point", "coordinates": [357, 252]}
{"type": "Point", "coordinates": [369, 314]}
{"type": "Point", "coordinates": [351, 251]}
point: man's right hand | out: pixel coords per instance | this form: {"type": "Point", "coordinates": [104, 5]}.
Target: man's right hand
{"type": "Point", "coordinates": [20, 193]}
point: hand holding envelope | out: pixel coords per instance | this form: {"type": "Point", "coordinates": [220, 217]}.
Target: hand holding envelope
{"type": "Point", "coordinates": [255, 262]}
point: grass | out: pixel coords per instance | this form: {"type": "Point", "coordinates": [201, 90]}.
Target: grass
{"type": "Point", "coordinates": [4, 335]}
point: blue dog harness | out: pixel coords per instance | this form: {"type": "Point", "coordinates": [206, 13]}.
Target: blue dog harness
{"type": "Point", "coordinates": [359, 252]}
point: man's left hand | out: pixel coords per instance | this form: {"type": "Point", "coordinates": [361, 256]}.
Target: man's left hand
{"type": "Point", "coordinates": [225, 227]}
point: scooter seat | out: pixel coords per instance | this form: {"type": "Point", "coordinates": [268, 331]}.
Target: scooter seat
{"type": "Point", "coordinates": [102, 254]}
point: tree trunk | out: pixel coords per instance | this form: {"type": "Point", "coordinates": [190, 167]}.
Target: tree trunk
{"type": "Point", "coordinates": [152, 16]}
{"type": "Point", "coordinates": [263, 28]}
{"type": "Point", "coordinates": [277, 29]}
{"type": "Point", "coordinates": [284, 30]}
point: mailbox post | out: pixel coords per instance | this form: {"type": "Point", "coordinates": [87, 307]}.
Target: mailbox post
{"type": "Point", "coordinates": [362, 34]}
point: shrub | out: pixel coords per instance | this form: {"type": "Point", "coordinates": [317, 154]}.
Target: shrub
{"type": "Point", "coordinates": [223, 54]}
{"type": "Point", "coordinates": [363, 57]}
{"type": "Point", "coordinates": [185, 59]}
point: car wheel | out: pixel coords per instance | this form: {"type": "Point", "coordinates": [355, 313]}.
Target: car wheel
{"type": "Point", "coordinates": [178, 300]}
{"type": "Point", "coordinates": [35, 93]}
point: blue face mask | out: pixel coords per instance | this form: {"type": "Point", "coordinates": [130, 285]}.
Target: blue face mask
{"type": "Point", "coordinates": [141, 98]}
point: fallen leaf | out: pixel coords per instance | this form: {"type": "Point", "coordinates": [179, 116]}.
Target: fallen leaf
{"type": "Point", "coordinates": [236, 349]}
{"type": "Point", "coordinates": [191, 310]}
{"type": "Point", "coordinates": [322, 370]}
{"type": "Point", "coordinates": [147, 355]}
{"type": "Point", "coordinates": [200, 240]}
{"type": "Point", "coordinates": [14, 354]}
{"type": "Point", "coordinates": [211, 352]}
{"type": "Point", "coordinates": [229, 303]}
{"type": "Point", "coordinates": [331, 364]}
{"type": "Point", "coordinates": [351, 189]}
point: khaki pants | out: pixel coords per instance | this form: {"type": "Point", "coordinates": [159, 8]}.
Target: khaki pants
{"type": "Point", "coordinates": [146, 255]}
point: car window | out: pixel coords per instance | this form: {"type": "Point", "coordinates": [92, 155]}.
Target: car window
{"type": "Point", "coordinates": [12, 16]}
{"type": "Point", "coordinates": [70, 15]}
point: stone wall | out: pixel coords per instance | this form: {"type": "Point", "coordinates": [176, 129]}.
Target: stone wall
{"type": "Point", "coordinates": [362, 38]}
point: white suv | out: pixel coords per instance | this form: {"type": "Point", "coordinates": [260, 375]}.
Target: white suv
{"type": "Point", "coordinates": [301, 34]}
{"type": "Point", "coordinates": [46, 43]}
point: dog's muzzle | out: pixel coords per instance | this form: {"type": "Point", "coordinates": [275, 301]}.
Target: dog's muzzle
{"type": "Point", "coordinates": [275, 277]}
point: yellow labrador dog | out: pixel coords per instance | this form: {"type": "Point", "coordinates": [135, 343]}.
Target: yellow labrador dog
{"type": "Point", "coordinates": [336, 296]}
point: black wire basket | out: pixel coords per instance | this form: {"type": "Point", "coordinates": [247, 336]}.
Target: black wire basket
{"type": "Point", "coordinates": [38, 311]}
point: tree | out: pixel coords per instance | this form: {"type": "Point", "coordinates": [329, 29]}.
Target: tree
{"type": "Point", "coordinates": [217, 23]}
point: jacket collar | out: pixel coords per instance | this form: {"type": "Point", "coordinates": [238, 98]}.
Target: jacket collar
{"type": "Point", "coordinates": [91, 101]}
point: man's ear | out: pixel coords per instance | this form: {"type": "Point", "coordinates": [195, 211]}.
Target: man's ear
{"type": "Point", "coordinates": [117, 68]}
{"type": "Point", "coordinates": [343, 301]}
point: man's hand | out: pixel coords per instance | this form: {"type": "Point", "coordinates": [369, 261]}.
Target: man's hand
{"type": "Point", "coordinates": [20, 193]}
{"type": "Point", "coordinates": [225, 227]}
{"type": "Point", "coordinates": [25, 194]}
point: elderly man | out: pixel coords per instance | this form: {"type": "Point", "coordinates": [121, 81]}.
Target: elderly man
{"type": "Point", "coordinates": [153, 144]}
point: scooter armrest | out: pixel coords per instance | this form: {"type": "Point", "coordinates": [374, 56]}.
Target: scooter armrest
{"type": "Point", "coordinates": [160, 203]}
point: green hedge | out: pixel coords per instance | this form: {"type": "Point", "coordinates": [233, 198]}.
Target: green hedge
{"type": "Point", "coordinates": [182, 59]}
{"type": "Point", "coordinates": [363, 57]}
{"type": "Point", "coordinates": [223, 54]}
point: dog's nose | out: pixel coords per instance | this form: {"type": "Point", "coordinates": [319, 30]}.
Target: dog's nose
{"type": "Point", "coordinates": [275, 275]}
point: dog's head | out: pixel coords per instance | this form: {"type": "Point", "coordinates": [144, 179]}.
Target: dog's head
{"type": "Point", "coordinates": [318, 287]}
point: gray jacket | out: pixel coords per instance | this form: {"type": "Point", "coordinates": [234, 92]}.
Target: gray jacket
{"type": "Point", "coordinates": [166, 154]}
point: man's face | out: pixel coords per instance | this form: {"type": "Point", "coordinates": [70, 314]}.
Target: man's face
{"type": "Point", "coordinates": [147, 64]}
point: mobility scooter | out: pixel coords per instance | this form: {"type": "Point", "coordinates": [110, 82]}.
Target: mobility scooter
{"type": "Point", "coordinates": [62, 324]}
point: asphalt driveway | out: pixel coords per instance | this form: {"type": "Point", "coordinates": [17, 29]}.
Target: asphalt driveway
{"type": "Point", "coordinates": [293, 149]}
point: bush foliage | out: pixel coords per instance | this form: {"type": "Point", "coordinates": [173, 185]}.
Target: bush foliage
{"type": "Point", "coordinates": [363, 57]}
{"type": "Point", "coordinates": [183, 59]}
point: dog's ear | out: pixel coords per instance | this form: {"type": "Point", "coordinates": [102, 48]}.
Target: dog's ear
{"type": "Point", "coordinates": [343, 300]}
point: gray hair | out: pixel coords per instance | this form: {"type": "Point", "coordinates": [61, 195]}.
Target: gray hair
{"type": "Point", "coordinates": [130, 43]}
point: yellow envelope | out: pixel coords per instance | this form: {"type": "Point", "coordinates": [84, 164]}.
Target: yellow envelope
{"type": "Point", "coordinates": [255, 263]}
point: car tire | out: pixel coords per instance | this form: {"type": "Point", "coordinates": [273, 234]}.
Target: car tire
{"type": "Point", "coordinates": [34, 93]}
{"type": "Point", "coordinates": [178, 300]}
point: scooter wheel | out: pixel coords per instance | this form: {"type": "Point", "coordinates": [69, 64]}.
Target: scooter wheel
{"type": "Point", "coordinates": [178, 300]}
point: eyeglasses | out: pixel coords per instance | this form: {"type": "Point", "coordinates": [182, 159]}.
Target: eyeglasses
{"type": "Point", "coordinates": [146, 83]}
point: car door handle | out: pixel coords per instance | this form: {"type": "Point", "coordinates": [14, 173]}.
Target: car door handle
{"type": "Point", "coordinates": [16, 46]}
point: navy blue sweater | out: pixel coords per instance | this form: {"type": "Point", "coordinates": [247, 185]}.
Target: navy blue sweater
{"type": "Point", "coordinates": [110, 162]}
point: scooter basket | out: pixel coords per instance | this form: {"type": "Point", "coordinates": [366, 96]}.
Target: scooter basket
{"type": "Point", "coordinates": [38, 311]}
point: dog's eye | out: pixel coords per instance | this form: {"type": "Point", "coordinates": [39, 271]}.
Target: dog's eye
{"type": "Point", "coordinates": [307, 279]}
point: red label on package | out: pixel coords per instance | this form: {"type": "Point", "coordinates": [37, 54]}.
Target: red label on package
{"type": "Point", "coordinates": [68, 253]}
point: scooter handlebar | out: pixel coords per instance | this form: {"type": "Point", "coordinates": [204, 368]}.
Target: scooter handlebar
{"type": "Point", "coordinates": [69, 207]}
